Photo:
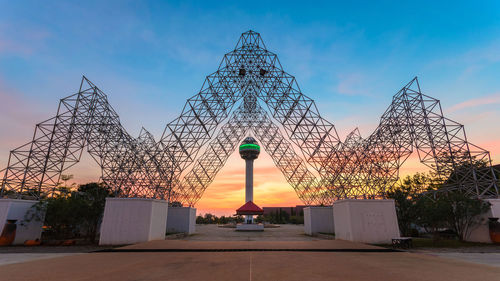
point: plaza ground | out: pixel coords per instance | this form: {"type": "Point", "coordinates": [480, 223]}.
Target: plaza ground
{"type": "Point", "coordinates": [285, 232]}
{"type": "Point", "coordinates": [283, 253]}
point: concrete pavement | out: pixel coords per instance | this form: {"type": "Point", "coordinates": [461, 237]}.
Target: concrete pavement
{"type": "Point", "coordinates": [249, 266]}
{"type": "Point", "coordinates": [10, 258]}
{"type": "Point", "coordinates": [492, 259]}
{"type": "Point", "coordinates": [287, 255]}
{"type": "Point", "coordinates": [285, 232]}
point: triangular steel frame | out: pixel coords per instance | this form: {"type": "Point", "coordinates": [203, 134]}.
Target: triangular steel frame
{"type": "Point", "coordinates": [172, 169]}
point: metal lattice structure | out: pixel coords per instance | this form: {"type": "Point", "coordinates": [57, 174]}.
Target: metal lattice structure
{"type": "Point", "coordinates": [171, 168]}
{"type": "Point", "coordinates": [83, 120]}
{"type": "Point", "coordinates": [414, 121]}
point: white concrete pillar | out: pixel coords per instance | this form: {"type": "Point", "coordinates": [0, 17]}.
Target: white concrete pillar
{"type": "Point", "coordinates": [181, 219]}
{"type": "Point", "coordinates": [16, 209]}
{"type": "Point", "coordinates": [318, 219]}
{"type": "Point", "coordinates": [133, 220]}
{"type": "Point", "coordinates": [367, 221]}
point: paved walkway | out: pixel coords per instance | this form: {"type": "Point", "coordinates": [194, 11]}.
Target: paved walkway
{"type": "Point", "coordinates": [492, 259]}
{"type": "Point", "coordinates": [11, 258]}
{"type": "Point", "coordinates": [17, 254]}
{"type": "Point", "coordinates": [249, 256]}
{"type": "Point", "coordinates": [251, 265]}
{"type": "Point", "coordinates": [182, 245]}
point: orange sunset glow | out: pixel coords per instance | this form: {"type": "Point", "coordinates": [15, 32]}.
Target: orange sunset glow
{"type": "Point", "coordinates": [227, 192]}
{"type": "Point", "coordinates": [347, 97]}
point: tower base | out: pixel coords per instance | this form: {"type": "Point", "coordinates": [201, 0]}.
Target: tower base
{"type": "Point", "coordinates": [318, 220]}
{"type": "Point", "coordinates": [181, 219]}
{"type": "Point", "coordinates": [367, 221]}
{"type": "Point", "coordinates": [133, 220]}
{"type": "Point", "coordinates": [249, 227]}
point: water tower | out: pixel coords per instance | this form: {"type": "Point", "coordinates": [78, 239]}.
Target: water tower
{"type": "Point", "coordinates": [249, 150]}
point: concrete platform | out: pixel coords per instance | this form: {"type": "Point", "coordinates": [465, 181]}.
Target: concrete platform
{"type": "Point", "coordinates": [25, 257]}
{"type": "Point", "coordinates": [252, 245]}
{"type": "Point", "coordinates": [249, 265]}
{"type": "Point", "coordinates": [492, 259]}
{"type": "Point", "coordinates": [285, 232]}
{"type": "Point", "coordinates": [249, 227]}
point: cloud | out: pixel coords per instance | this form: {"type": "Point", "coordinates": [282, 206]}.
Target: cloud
{"type": "Point", "coordinates": [487, 100]}
{"type": "Point", "coordinates": [350, 84]}
{"type": "Point", "coordinates": [19, 115]}
{"type": "Point", "coordinates": [472, 61]}
{"type": "Point", "coordinates": [486, 53]}
{"type": "Point", "coordinates": [21, 40]}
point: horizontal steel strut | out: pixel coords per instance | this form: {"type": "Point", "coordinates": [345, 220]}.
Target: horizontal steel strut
{"type": "Point", "coordinates": [171, 168]}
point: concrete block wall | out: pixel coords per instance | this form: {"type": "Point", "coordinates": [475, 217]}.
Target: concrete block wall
{"type": "Point", "coordinates": [181, 219]}
{"type": "Point", "coordinates": [367, 221]}
{"type": "Point", "coordinates": [133, 220]}
{"type": "Point", "coordinates": [318, 219]}
{"type": "Point", "coordinates": [16, 209]}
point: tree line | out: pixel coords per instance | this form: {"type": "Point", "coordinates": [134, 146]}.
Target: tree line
{"type": "Point", "coordinates": [71, 212]}
{"type": "Point", "coordinates": [421, 207]}
{"type": "Point", "coordinates": [277, 217]}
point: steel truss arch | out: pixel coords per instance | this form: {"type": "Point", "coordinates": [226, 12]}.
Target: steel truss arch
{"type": "Point", "coordinates": [172, 167]}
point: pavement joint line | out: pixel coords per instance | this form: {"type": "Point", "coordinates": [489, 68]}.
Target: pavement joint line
{"type": "Point", "coordinates": [244, 250]}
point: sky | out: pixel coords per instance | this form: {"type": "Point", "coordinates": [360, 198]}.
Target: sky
{"type": "Point", "coordinates": [351, 57]}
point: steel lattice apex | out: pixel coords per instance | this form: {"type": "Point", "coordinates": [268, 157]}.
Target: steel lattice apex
{"type": "Point", "coordinates": [326, 168]}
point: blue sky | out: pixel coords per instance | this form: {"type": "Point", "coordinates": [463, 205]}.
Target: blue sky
{"type": "Point", "coordinates": [150, 56]}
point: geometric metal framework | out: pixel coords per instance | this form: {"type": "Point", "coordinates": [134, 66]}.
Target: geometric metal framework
{"type": "Point", "coordinates": [172, 168]}
{"type": "Point", "coordinates": [83, 120]}
{"type": "Point", "coordinates": [415, 121]}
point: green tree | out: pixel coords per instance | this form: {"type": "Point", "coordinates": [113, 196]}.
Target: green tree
{"type": "Point", "coordinates": [430, 214]}
{"type": "Point", "coordinates": [461, 213]}
{"type": "Point", "coordinates": [284, 217]}
{"type": "Point", "coordinates": [453, 210]}
{"type": "Point", "coordinates": [72, 215]}
{"type": "Point", "coordinates": [200, 220]}
{"type": "Point", "coordinates": [209, 218]}
{"type": "Point", "coordinates": [92, 197]}
{"type": "Point", "coordinates": [404, 194]}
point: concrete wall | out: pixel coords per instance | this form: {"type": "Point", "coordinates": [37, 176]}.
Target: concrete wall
{"type": "Point", "coordinates": [480, 232]}
{"type": "Point", "coordinates": [16, 209]}
{"type": "Point", "coordinates": [181, 219]}
{"type": "Point", "coordinates": [367, 221]}
{"type": "Point", "coordinates": [318, 219]}
{"type": "Point", "coordinates": [133, 220]}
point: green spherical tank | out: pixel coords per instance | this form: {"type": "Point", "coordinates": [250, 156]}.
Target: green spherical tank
{"type": "Point", "coordinates": [249, 149]}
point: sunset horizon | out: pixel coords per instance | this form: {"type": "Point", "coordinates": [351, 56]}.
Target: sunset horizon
{"type": "Point", "coordinates": [147, 83]}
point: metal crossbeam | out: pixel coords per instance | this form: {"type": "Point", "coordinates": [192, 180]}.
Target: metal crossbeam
{"type": "Point", "coordinates": [172, 168]}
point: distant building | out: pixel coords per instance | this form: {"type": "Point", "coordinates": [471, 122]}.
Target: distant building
{"type": "Point", "coordinates": [292, 211]}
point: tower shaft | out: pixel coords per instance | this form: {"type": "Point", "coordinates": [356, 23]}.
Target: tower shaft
{"type": "Point", "coordinates": [249, 180]}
